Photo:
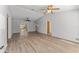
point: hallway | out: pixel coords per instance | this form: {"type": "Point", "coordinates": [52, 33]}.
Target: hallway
{"type": "Point", "coordinates": [39, 43]}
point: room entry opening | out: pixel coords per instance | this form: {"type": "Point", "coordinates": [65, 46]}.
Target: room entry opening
{"type": "Point", "coordinates": [49, 27]}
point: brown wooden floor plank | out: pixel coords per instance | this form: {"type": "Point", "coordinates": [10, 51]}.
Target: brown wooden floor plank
{"type": "Point", "coordinates": [39, 43]}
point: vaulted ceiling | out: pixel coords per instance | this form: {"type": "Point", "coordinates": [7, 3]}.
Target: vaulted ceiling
{"type": "Point", "coordinates": [33, 11]}
{"type": "Point", "coordinates": [21, 11]}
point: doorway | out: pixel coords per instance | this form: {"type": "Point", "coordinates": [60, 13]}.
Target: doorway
{"type": "Point", "coordinates": [49, 27]}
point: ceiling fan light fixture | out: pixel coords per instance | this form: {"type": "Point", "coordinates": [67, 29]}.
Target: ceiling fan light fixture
{"type": "Point", "coordinates": [49, 11]}
{"type": "Point", "coordinates": [51, 8]}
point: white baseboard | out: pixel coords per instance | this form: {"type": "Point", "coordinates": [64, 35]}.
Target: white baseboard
{"type": "Point", "coordinates": [67, 38]}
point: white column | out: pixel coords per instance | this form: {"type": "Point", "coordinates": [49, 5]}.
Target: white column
{"type": "Point", "coordinates": [3, 27]}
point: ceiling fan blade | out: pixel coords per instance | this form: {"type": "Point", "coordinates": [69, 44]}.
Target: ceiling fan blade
{"type": "Point", "coordinates": [55, 8]}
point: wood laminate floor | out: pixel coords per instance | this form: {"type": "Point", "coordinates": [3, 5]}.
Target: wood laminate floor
{"type": "Point", "coordinates": [39, 43]}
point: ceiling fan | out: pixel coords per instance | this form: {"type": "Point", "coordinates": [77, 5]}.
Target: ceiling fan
{"type": "Point", "coordinates": [49, 9]}
{"type": "Point", "coordinates": [45, 9]}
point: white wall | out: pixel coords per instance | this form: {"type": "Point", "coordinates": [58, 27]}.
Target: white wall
{"type": "Point", "coordinates": [16, 25]}
{"type": "Point", "coordinates": [42, 25]}
{"type": "Point", "coordinates": [65, 24]}
{"type": "Point", "coordinates": [3, 27]}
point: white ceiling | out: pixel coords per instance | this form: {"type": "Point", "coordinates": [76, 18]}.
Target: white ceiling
{"type": "Point", "coordinates": [26, 11]}
{"type": "Point", "coordinates": [33, 11]}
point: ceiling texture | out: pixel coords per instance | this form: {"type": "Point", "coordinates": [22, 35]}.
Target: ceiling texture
{"type": "Point", "coordinates": [22, 11]}
{"type": "Point", "coordinates": [34, 12]}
